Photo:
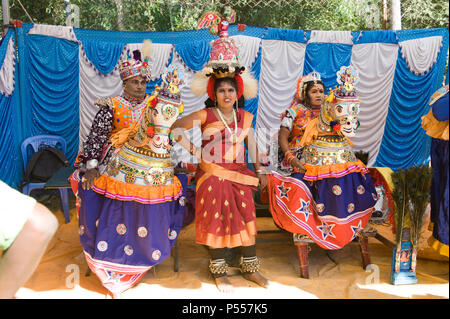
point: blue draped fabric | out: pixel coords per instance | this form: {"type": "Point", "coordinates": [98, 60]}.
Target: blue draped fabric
{"type": "Point", "coordinates": [11, 167]}
{"type": "Point", "coordinates": [172, 37]}
{"type": "Point", "coordinates": [327, 59]}
{"type": "Point", "coordinates": [252, 105]}
{"type": "Point", "coordinates": [103, 55]}
{"type": "Point", "coordinates": [194, 54]}
{"type": "Point", "coordinates": [54, 91]}
{"type": "Point", "coordinates": [404, 141]}
{"type": "Point", "coordinates": [287, 35]}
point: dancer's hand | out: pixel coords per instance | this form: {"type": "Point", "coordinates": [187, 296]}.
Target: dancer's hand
{"type": "Point", "coordinates": [89, 177]}
{"type": "Point", "coordinates": [263, 180]}
{"type": "Point", "coordinates": [298, 164]}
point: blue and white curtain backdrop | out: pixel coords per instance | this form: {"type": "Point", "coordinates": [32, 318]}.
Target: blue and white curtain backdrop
{"type": "Point", "coordinates": [50, 76]}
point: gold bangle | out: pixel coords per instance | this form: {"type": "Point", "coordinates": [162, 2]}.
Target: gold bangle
{"type": "Point", "coordinates": [259, 171]}
{"type": "Point", "coordinates": [288, 156]}
{"type": "Point", "coordinates": [192, 149]}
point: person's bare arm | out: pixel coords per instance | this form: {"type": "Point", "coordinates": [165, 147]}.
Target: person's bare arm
{"type": "Point", "coordinates": [252, 148]}
{"type": "Point", "coordinates": [283, 142]}
{"type": "Point", "coordinates": [186, 123]}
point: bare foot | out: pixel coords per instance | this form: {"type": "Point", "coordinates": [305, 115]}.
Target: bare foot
{"type": "Point", "coordinates": [256, 277]}
{"type": "Point", "coordinates": [224, 285]}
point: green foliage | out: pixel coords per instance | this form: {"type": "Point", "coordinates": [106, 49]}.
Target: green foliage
{"type": "Point", "coordinates": [411, 195]}
{"type": "Point", "coordinates": [425, 13]}
{"type": "Point", "coordinates": [165, 15]}
{"type": "Point", "coordinates": [399, 194]}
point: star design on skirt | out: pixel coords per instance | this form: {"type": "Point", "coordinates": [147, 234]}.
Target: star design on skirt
{"type": "Point", "coordinates": [304, 209]}
{"type": "Point", "coordinates": [113, 277]}
{"type": "Point", "coordinates": [356, 230]}
{"type": "Point", "coordinates": [283, 191]}
{"type": "Point", "coordinates": [326, 230]}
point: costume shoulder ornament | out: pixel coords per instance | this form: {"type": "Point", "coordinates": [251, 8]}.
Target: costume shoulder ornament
{"type": "Point", "coordinates": [104, 102]}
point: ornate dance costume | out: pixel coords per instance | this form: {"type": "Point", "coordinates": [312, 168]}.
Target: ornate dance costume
{"type": "Point", "coordinates": [436, 125]}
{"type": "Point", "coordinates": [225, 212]}
{"type": "Point", "coordinates": [333, 199]}
{"type": "Point", "coordinates": [132, 215]}
{"type": "Point", "coordinates": [115, 114]}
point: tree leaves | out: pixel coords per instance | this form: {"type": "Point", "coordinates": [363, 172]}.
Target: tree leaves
{"type": "Point", "coordinates": [167, 15]}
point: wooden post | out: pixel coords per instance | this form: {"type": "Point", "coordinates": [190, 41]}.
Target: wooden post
{"type": "Point", "coordinates": [5, 11]}
{"type": "Point", "coordinates": [385, 14]}
{"type": "Point", "coordinates": [364, 247]}
{"type": "Point", "coordinates": [302, 251]}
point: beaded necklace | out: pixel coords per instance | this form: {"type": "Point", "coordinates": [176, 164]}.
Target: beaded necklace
{"type": "Point", "coordinates": [233, 137]}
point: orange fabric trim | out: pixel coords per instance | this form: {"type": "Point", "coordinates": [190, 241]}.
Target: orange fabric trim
{"type": "Point", "coordinates": [246, 237]}
{"type": "Point", "coordinates": [311, 133]}
{"type": "Point", "coordinates": [435, 128]}
{"type": "Point", "coordinates": [318, 172]}
{"type": "Point", "coordinates": [435, 244]}
{"type": "Point", "coordinates": [119, 137]}
{"type": "Point", "coordinates": [114, 187]}
{"type": "Point", "coordinates": [349, 142]}
{"type": "Point", "coordinates": [233, 176]}
{"type": "Point", "coordinates": [201, 180]}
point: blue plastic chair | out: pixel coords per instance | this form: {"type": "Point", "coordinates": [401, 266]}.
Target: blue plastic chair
{"type": "Point", "coordinates": [36, 142]}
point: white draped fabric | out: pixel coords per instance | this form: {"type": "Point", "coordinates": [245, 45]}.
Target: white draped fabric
{"type": "Point", "coordinates": [248, 49]}
{"type": "Point", "coordinates": [342, 37]}
{"type": "Point", "coordinates": [421, 54]}
{"type": "Point", "coordinates": [57, 31]}
{"type": "Point", "coordinates": [7, 70]}
{"type": "Point", "coordinates": [94, 85]}
{"type": "Point", "coordinates": [376, 64]}
{"type": "Point", "coordinates": [281, 66]}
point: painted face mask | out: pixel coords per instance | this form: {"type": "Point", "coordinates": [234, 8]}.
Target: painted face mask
{"type": "Point", "coordinates": [346, 115]}
{"type": "Point", "coordinates": [340, 112]}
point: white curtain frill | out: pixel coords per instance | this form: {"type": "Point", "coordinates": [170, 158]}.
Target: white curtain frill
{"type": "Point", "coordinates": [421, 54]}
{"type": "Point", "coordinates": [376, 64]}
{"type": "Point", "coordinates": [57, 31]}
{"type": "Point", "coordinates": [338, 37]}
{"type": "Point", "coordinates": [281, 67]}
{"type": "Point", "coordinates": [7, 70]}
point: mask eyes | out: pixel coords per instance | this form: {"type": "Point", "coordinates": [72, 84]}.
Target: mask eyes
{"type": "Point", "coordinates": [168, 111]}
{"type": "Point", "coordinates": [354, 108]}
{"type": "Point", "coordinates": [339, 109]}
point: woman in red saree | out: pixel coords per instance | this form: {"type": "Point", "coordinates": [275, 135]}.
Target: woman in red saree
{"type": "Point", "coordinates": [225, 215]}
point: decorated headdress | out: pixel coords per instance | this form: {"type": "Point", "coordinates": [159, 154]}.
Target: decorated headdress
{"type": "Point", "coordinates": [303, 82]}
{"type": "Point", "coordinates": [170, 90]}
{"type": "Point", "coordinates": [347, 77]}
{"type": "Point", "coordinates": [223, 59]}
{"type": "Point", "coordinates": [166, 99]}
{"type": "Point", "coordinates": [341, 109]}
{"type": "Point", "coordinates": [138, 64]}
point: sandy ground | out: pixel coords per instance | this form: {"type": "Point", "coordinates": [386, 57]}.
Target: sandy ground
{"type": "Point", "coordinates": [333, 274]}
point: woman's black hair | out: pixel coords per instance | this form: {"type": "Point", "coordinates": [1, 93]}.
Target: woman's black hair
{"type": "Point", "coordinates": [233, 83]}
{"type": "Point", "coordinates": [309, 85]}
